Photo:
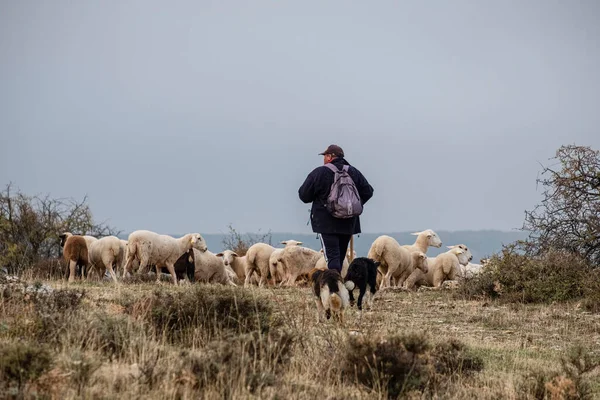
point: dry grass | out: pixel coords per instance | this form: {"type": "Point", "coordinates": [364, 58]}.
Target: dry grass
{"type": "Point", "coordinates": [159, 341]}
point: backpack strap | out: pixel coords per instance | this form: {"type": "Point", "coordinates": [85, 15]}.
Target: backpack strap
{"type": "Point", "coordinates": [333, 167]}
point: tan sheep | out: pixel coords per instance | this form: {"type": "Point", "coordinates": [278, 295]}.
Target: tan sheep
{"type": "Point", "coordinates": [296, 261]}
{"type": "Point", "coordinates": [445, 266]}
{"type": "Point", "coordinates": [209, 268]}
{"type": "Point", "coordinates": [393, 258]}
{"type": "Point", "coordinates": [257, 261]}
{"type": "Point", "coordinates": [150, 248]}
{"type": "Point", "coordinates": [106, 253]}
{"type": "Point", "coordinates": [418, 261]}
{"type": "Point", "coordinates": [238, 264]}
{"type": "Point", "coordinates": [425, 239]}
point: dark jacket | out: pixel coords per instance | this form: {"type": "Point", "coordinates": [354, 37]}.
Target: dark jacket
{"type": "Point", "coordinates": [316, 188]}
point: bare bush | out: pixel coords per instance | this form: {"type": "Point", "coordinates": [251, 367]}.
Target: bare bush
{"type": "Point", "coordinates": [239, 243]}
{"type": "Point", "coordinates": [568, 217]}
{"type": "Point", "coordinates": [30, 225]}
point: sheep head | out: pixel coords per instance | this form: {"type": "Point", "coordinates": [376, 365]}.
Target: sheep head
{"type": "Point", "coordinates": [433, 240]}
{"type": "Point", "coordinates": [228, 257]}
{"type": "Point", "coordinates": [420, 261]}
{"type": "Point", "coordinates": [197, 242]}
{"type": "Point", "coordinates": [291, 242]}
{"type": "Point", "coordinates": [462, 253]}
{"type": "Point", "coordinates": [63, 238]}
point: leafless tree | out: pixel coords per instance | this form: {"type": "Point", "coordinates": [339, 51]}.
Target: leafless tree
{"type": "Point", "coordinates": [30, 225]}
{"type": "Point", "coordinates": [568, 218]}
{"type": "Point", "coordinates": [235, 241]}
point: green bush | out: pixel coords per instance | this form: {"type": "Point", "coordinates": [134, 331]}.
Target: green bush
{"type": "Point", "coordinates": [203, 312]}
{"type": "Point", "coordinates": [514, 276]}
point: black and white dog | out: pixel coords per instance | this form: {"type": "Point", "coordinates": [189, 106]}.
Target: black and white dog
{"type": "Point", "coordinates": [330, 293]}
{"type": "Point", "coordinates": [362, 273]}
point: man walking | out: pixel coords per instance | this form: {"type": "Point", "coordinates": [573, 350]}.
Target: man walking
{"type": "Point", "coordinates": [335, 232]}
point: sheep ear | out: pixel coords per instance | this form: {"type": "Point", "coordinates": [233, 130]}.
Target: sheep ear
{"type": "Point", "coordinates": [416, 233]}
{"type": "Point", "coordinates": [284, 242]}
{"type": "Point", "coordinates": [219, 255]}
{"type": "Point", "coordinates": [233, 253]}
{"type": "Point", "coordinates": [450, 247]}
{"type": "Point", "coordinates": [299, 243]}
{"type": "Point", "coordinates": [193, 240]}
{"type": "Point", "coordinates": [458, 251]}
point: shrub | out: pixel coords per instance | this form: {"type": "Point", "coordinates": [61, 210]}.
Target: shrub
{"type": "Point", "coordinates": [21, 363]}
{"type": "Point", "coordinates": [573, 382]}
{"type": "Point", "coordinates": [514, 276]}
{"type": "Point", "coordinates": [398, 365]}
{"type": "Point", "coordinates": [202, 312]}
{"type": "Point", "coordinates": [112, 335]}
{"type": "Point", "coordinates": [252, 361]}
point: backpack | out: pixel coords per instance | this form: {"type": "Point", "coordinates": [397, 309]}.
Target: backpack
{"type": "Point", "coordinates": [343, 200]}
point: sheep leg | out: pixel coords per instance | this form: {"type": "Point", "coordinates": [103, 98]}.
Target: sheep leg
{"type": "Point", "coordinates": [128, 264]}
{"type": "Point", "coordinates": [292, 279]}
{"type": "Point", "coordinates": [387, 279]}
{"type": "Point", "coordinates": [171, 268]}
{"type": "Point", "coordinates": [438, 278]}
{"type": "Point", "coordinates": [248, 278]}
{"type": "Point", "coordinates": [72, 270]}
{"type": "Point", "coordinates": [112, 273]}
{"type": "Point", "coordinates": [108, 260]}
{"type": "Point", "coordinates": [264, 274]}
{"type": "Point", "coordinates": [411, 282]}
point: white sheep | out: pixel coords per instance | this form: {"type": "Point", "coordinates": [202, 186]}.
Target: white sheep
{"type": "Point", "coordinates": [470, 270]}
{"type": "Point", "coordinates": [209, 268]}
{"type": "Point", "coordinates": [425, 239]}
{"type": "Point", "coordinates": [418, 261]}
{"type": "Point", "coordinates": [257, 261]}
{"type": "Point", "coordinates": [276, 267]}
{"type": "Point", "coordinates": [260, 260]}
{"type": "Point", "coordinates": [445, 266]}
{"type": "Point", "coordinates": [106, 254]}
{"type": "Point", "coordinates": [238, 264]}
{"type": "Point", "coordinates": [393, 258]}
{"type": "Point", "coordinates": [150, 248]}
{"type": "Point", "coordinates": [296, 261]}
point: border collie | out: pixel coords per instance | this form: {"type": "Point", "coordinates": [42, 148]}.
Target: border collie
{"type": "Point", "coordinates": [362, 273]}
{"type": "Point", "coordinates": [330, 293]}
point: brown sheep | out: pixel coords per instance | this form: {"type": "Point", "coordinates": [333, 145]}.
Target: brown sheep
{"type": "Point", "coordinates": [75, 253]}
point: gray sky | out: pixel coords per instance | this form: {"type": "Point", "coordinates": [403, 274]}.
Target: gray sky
{"type": "Point", "coordinates": [189, 115]}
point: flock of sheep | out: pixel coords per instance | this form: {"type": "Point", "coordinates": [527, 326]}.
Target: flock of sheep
{"type": "Point", "coordinates": [188, 256]}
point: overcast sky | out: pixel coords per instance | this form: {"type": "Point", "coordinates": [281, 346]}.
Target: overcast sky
{"type": "Point", "coordinates": [186, 116]}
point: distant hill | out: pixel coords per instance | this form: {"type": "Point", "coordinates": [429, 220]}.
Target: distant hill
{"type": "Point", "coordinates": [481, 243]}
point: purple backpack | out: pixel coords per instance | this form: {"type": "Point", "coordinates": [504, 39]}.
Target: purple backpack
{"type": "Point", "coordinates": [343, 200]}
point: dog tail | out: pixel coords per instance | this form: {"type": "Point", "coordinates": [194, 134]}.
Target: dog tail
{"type": "Point", "coordinates": [335, 301]}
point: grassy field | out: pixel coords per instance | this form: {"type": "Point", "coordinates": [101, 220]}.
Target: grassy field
{"type": "Point", "coordinates": [105, 341]}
